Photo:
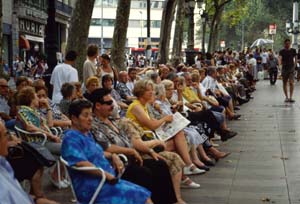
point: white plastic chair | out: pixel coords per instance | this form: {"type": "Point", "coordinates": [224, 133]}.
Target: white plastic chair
{"type": "Point", "coordinates": [36, 137]}
{"type": "Point", "coordinates": [97, 191]}
{"type": "Point", "coordinates": [40, 138]}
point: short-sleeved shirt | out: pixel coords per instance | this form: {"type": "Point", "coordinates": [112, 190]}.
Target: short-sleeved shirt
{"type": "Point", "coordinates": [287, 56]}
{"type": "Point", "coordinates": [4, 107]}
{"type": "Point", "coordinates": [89, 69]}
{"type": "Point", "coordinates": [77, 147]}
{"type": "Point", "coordinates": [61, 74]}
{"type": "Point", "coordinates": [123, 90]}
{"type": "Point", "coordinates": [105, 135]}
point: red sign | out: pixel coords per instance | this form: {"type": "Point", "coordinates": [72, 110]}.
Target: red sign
{"type": "Point", "coordinates": [272, 29]}
{"type": "Point", "coordinates": [222, 44]}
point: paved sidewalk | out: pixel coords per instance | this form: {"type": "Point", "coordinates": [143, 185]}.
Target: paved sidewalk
{"type": "Point", "coordinates": [264, 165]}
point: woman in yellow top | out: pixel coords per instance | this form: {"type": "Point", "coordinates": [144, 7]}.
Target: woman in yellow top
{"type": "Point", "coordinates": [137, 111]}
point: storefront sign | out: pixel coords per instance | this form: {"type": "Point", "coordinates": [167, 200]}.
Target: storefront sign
{"type": "Point", "coordinates": [31, 27]}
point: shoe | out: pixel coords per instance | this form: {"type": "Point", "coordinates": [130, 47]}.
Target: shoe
{"type": "Point", "coordinates": [287, 100]}
{"type": "Point", "coordinates": [58, 184]}
{"type": "Point", "coordinates": [291, 100]}
{"type": "Point", "coordinates": [227, 134]}
{"type": "Point", "coordinates": [236, 116]}
{"type": "Point", "coordinates": [216, 138]}
{"type": "Point", "coordinates": [188, 183]}
{"type": "Point", "coordinates": [242, 101]}
{"type": "Point", "coordinates": [222, 156]}
{"type": "Point", "coordinates": [209, 163]}
{"type": "Point", "coordinates": [236, 108]}
{"type": "Point", "coordinates": [215, 144]}
{"type": "Point", "coordinates": [206, 168]}
{"type": "Point", "coordinates": [188, 170]}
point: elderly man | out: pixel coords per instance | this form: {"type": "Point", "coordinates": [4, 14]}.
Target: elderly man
{"type": "Point", "coordinates": [122, 89]}
{"type": "Point", "coordinates": [213, 88]}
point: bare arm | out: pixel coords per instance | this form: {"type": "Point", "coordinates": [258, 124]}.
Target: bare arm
{"type": "Point", "coordinates": [144, 119]}
{"type": "Point", "coordinates": [95, 173]}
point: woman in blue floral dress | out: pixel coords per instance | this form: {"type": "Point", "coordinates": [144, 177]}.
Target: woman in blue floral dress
{"type": "Point", "coordinates": [80, 149]}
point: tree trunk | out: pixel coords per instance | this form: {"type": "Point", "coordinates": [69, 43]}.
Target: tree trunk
{"type": "Point", "coordinates": [216, 30]}
{"type": "Point", "coordinates": [212, 26]}
{"type": "Point", "coordinates": [79, 31]}
{"type": "Point", "coordinates": [1, 38]}
{"type": "Point", "coordinates": [119, 37]}
{"type": "Point", "coordinates": [178, 34]}
{"type": "Point", "coordinates": [165, 30]}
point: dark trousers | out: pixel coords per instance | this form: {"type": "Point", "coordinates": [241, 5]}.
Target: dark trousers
{"type": "Point", "coordinates": [205, 116]}
{"type": "Point", "coordinates": [273, 76]}
{"type": "Point", "coordinates": [155, 176]}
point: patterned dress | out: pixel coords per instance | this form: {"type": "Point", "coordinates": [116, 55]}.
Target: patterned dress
{"type": "Point", "coordinates": [77, 147]}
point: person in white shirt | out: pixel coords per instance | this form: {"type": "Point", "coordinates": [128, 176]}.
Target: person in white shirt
{"type": "Point", "coordinates": [63, 73]}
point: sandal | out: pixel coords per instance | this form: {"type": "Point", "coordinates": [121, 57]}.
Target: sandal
{"type": "Point", "coordinates": [188, 183]}
{"type": "Point", "coordinates": [192, 169]}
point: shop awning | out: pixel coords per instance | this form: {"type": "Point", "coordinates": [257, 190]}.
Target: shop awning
{"type": "Point", "coordinates": [24, 43]}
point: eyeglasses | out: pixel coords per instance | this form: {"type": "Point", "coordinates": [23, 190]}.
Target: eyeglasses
{"type": "Point", "coordinates": [107, 102]}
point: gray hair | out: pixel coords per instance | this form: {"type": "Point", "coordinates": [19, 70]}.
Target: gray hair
{"type": "Point", "coordinates": [159, 90]}
{"type": "Point", "coordinates": [167, 83]}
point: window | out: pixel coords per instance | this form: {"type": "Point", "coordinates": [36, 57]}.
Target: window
{"type": "Point", "coordinates": [106, 22]}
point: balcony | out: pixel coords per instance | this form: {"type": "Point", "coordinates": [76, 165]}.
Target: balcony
{"type": "Point", "coordinates": [64, 8]}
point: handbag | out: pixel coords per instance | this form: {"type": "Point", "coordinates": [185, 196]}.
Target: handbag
{"type": "Point", "coordinates": [157, 148]}
{"type": "Point", "coordinates": [40, 153]}
{"type": "Point", "coordinates": [15, 152]}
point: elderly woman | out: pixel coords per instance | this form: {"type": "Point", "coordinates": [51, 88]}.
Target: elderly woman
{"type": "Point", "coordinates": [149, 172]}
{"type": "Point", "coordinates": [59, 119]}
{"type": "Point", "coordinates": [69, 93]}
{"type": "Point", "coordinates": [161, 106]}
{"type": "Point", "coordinates": [29, 119]}
{"type": "Point", "coordinates": [91, 84]}
{"type": "Point", "coordinates": [80, 149]}
{"type": "Point", "coordinates": [137, 111]}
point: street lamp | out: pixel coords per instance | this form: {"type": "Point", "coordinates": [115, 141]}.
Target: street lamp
{"type": "Point", "coordinates": [190, 52]}
{"type": "Point", "coordinates": [141, 28]}
{"type": "Point", "coordinates": [292, 27]}
{"type": "Point", "coordinates": [204, 18]}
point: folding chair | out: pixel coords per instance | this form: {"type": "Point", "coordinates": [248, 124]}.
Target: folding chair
{"type": "Point", "coordinates": [98, 189]}
{"type": "Point", "coordinates": [40, 138]}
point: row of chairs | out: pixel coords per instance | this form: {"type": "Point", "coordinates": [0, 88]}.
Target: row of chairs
{"type": "Point", "coordinates": [41, 138]}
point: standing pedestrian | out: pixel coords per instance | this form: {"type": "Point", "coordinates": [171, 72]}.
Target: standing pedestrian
{"type": "Point", "coordinates": [63, 73]}
{"type": "Point", "coordinates": [272, 64]}
{"type": "Point", "coordinates": [288, 60]}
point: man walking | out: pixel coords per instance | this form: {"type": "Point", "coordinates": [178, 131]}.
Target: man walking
{"type": "Point", "coordinates": [288, 60]}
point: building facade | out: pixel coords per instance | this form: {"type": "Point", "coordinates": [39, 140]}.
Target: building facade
{"type": "Point", "coordinates": [137, 25]}
{"type": "Point", "coordinates": [24, 27]}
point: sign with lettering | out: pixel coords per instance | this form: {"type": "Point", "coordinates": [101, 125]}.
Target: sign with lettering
{"type": "Point", "coordinates": [272, 29]}
{"type": "Point", "coordinates": [31, 27]}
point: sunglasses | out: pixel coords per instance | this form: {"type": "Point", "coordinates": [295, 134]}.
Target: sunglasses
{"type": "Point", "coordinates": [107, 102]}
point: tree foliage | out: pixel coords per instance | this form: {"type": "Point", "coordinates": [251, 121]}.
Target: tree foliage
{"type": "Point", "coordinates": [255, 16]}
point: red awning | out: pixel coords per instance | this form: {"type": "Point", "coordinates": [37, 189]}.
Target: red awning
{"type": "Point", "coordinates": [24, 43]}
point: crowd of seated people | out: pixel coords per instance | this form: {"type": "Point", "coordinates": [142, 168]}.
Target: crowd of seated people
{"type": "Point", "coordinates": [118, 113]}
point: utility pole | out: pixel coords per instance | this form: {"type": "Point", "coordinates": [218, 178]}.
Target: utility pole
{"type": "Point", "coordinates": [295, 22]}
{"type": "Point", "coordinates": [102, 40]}
{"type": "Point", "coordinates": [148, 48]}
